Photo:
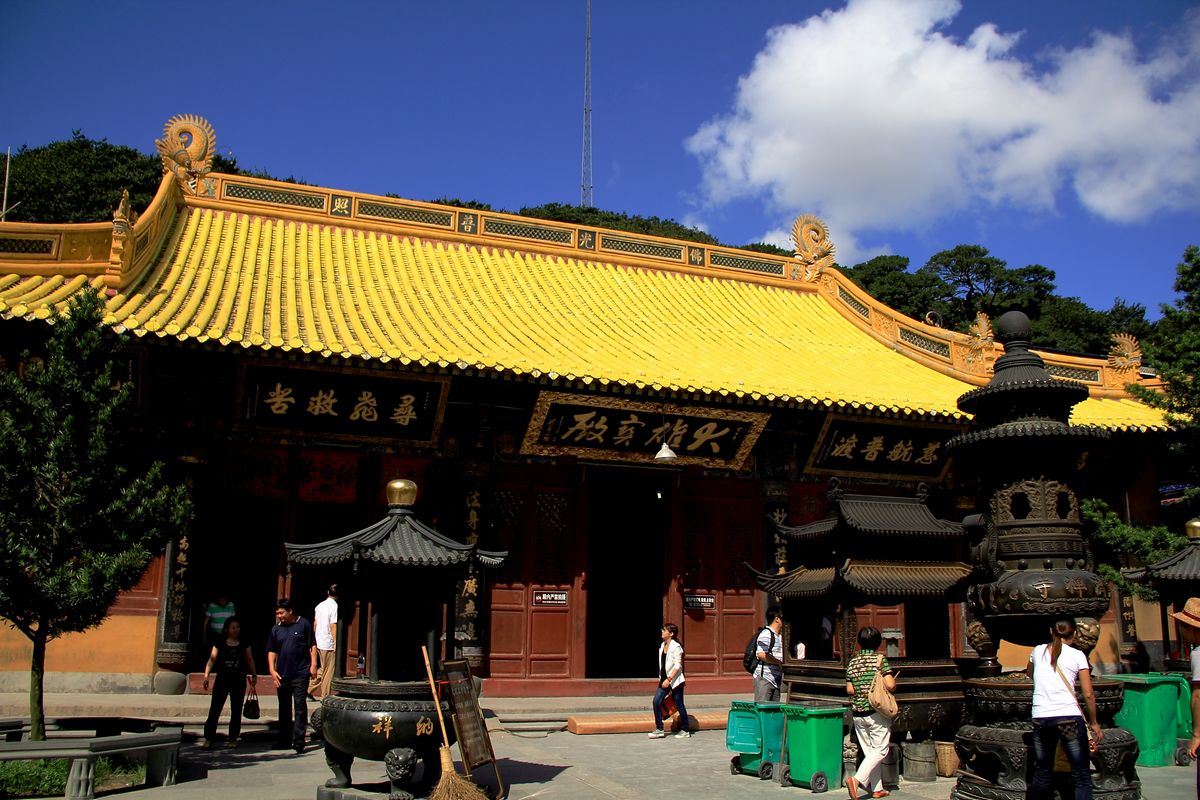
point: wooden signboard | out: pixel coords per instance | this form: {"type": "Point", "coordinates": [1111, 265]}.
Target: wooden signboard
{"type": "Point", "coordinates": [474, 744]}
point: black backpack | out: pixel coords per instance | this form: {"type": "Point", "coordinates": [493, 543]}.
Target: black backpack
{"type": "Point", "coordinates": [750, 657]}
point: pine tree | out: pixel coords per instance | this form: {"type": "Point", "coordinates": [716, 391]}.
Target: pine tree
{"type": "Point", "coordinates": [80, 521]}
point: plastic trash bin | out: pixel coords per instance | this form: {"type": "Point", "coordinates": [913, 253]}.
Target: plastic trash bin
{"type": "Point", "coordinates": [1183, 718]}
{"type": "Point", "coordinates": [755, 732]}
{"type": "Point", "coordinates": [1149, 713]}
{"type": "Point", "coordinates": [814, 744]}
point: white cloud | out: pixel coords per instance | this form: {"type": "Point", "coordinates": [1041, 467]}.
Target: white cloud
{"type": "Point", "coordinates": [875, 119]}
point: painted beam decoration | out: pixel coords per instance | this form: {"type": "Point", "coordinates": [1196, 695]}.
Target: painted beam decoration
{"type": "Point", "coordinates": [628, 430]}
{"type": "Point", "coordinates": [360, 404]}
{"type": "Point", "coordinates": [893, 449]}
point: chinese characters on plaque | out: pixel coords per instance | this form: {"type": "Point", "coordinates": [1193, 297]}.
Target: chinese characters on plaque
{"type": "Point", "coordinates": [352, 403]}
{"type": "Point", "coordinates": [628, 430]}
{"type": "Point", "coordinates": [880, 449]}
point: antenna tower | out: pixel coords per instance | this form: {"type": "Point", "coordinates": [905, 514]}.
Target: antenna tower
{"type": "Point", "coordinates": [585, 182]}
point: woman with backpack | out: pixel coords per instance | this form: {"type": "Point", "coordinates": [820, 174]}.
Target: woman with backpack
{"type": "Point", "coordinates": [670, 682]}
{"type": "Point", "coordinates": [873, 730]}
{"type": "Point", "coordinates": [1056, 713]}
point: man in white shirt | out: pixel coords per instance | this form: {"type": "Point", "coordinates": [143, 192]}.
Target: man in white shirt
{"type": "Point", "coordinates": [768, 675]}
{"type": "Point", "coordinates": [1190, 633]}
{"type": "Point", "coordinates": [325, 630]}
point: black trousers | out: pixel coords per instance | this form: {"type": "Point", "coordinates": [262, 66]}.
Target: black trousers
{"type": "Point", "coordinates": [233, 687]}
{"type": "Point", "coordinates": [293, 710]}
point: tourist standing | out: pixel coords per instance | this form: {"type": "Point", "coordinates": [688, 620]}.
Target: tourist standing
{"type": "Point", "coordinates": [768, 673]}
{"type": "Point", "coordinates": [215, 616]}
{"type": "Point", "coordinates": [233, 663]}
{"type": "Point", "coordinates": [1057, 716]}
{"type": "Point", "coordinates": [670, 682]}
{"type": "Point", "coordinates": [1190, 633]}
{"type": "Point", "coordinates": [292, 660]}
{"type": "Point", "coordinates": [325, 630]}
{"type": "Point", "coordinates": [872, 729]}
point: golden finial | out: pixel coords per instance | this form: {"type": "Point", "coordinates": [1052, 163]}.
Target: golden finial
{"type": "Point", "coordinates": [401, 492]}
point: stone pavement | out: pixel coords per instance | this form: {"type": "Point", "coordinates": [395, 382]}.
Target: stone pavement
{"type": "Point", "coordinates": [532, 764]}
{"type": "Point", "coordinates": [553, 765]}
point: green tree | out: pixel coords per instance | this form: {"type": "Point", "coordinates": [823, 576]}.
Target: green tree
{"type": "Point", "coordinates": [888, 280]}
{"type": "Point", "coordinates": [79, 180]}
{"type": "Point", "coordinates": [981, 282]}
{"type": "Point", "coordinates": [79, 522]}
{"type": "Point", "coordinates": [1174, 351]}
{"type": "Point", "coordinates": [1127, 545]}
{"type": "Point", "coordinates": [768, 248]}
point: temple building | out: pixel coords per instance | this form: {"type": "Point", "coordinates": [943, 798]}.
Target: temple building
{"type": "Point", "coordinates": [643, 424]}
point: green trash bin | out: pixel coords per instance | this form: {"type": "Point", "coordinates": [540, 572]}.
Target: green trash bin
{"type": "Point", "coordinates": [755, 732]}
{"type": "Point", "coordinates": [1149, 713]}
{"type": "Point", "coordinates": [1183, 717]}
{"type": "Point", "coordinates": [814, 744]}
{"type": "Point", "coordinates": [1183, 707]}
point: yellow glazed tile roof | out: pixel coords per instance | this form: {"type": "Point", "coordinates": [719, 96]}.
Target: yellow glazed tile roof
{"type": "Point", "coordinates": [283, 284]}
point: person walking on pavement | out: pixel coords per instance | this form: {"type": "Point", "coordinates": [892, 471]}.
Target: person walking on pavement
{"type": "Point", "coordinates": [872, 729]}
{"type": "Point", "coordinates": [292, 660]}
{"type": "Point", "coordinates": [768, 674]}
{"type": "Point", "coordinates": [1057, 716]}
{"type": "Point", "coordinates": [670, 682]}
{"type": "Point", "coordinates": [325, 630]}
{"type": "Point", "coordinates": [234, 663]}
{"type": "Point", "coordinates": [1190, 633]}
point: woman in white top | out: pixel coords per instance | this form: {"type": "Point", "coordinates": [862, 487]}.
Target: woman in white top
{"type": "Point", "coordinates": [1056, 713]}
{"type": "Point", "coordinates": [670, 682]}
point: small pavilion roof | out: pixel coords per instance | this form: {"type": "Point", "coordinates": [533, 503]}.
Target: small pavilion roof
{"type": "Point", "coordinates": [870, 579]}
{"type": "Point", "coordinates": [397, 539]}
{"type": "Point", "coordinates": [890, 516]}
{"type": "Point", "coordinates": [1182, 568]}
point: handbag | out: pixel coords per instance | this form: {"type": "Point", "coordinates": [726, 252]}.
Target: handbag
{"type": "Point", "coordinates": [250, 709]}
{"type": "Point", "coordinates": [668, 706]}
{"type": "Point", "coordinates": [1091, 735]}
{"type": "Point", "coordinates": [883, 701]}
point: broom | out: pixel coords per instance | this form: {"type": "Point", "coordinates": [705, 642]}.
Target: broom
{"type": "Point", "coordinates": [451, 786]}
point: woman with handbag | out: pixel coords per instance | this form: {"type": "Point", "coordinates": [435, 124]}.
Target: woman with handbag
{"type": "Point", "coordinates": [234, 663]}
{"type": "Point", "coordinates": [873, 729]}
{"type": "Point", "coordinates": [670, 683]}
{"type": "Point", "coordinates": [1057, 716]}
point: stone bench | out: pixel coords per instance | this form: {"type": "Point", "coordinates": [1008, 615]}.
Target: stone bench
{"type": "Point", "coordinates": [161, 748]}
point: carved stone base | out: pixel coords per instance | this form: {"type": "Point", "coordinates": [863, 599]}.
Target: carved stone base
{"type": "Point", "coordinates": [1000, 761]}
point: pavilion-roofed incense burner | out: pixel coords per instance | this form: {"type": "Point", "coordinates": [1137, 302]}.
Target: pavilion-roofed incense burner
{"type": "Point", "coordinates": [1037, 564]}
{"type": "Point", "coordinates": [408, 572]}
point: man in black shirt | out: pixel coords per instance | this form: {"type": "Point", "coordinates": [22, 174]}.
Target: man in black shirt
{"type": "Point", "coordinates": [292, 660]}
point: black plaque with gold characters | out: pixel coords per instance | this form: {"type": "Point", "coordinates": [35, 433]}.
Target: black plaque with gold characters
{"type": "Point", "coordinates": [474, 744]}
{"type": "Point", "coordinates": [893, 449]}
{"type": "Point", "coordinates": [628, 430]}
{"type": "Point", "coordinates": [358, 404]}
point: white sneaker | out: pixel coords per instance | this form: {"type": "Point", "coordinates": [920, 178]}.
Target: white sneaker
{"type": "Point", "coordinates": [684, 734]}
{"type": "Point", "coordinates": [657, 734]}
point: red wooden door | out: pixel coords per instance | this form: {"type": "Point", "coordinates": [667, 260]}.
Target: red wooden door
{"type": "Point", "coordinates": [713, 592]}
{"type": "Point", "coordinates": [534, 598]}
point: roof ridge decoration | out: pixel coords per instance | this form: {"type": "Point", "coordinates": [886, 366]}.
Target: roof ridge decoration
{"type": "Point", "coordinates": [187, 148]}
{"type": "Point", "coordinates": [1125, 353]}
{"type": "Point", "coordinates": [814, 249]}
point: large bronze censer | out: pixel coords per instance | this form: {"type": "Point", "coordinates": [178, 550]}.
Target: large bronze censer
{"type": "Point", "coordinates": [406, 573]}
{"type": "Point", "coordinates": [1035, 564]}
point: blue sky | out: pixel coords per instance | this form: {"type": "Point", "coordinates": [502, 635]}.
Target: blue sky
{"type": "Point", "coordinates": [1063, 133]}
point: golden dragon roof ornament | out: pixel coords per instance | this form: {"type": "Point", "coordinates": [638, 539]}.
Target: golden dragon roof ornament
{"type": "Point", "coordinates": [187, 147]}
{"type": "Point", "coordinates": [1125, 353]}
{"type": "Point", "coordinates": [813, 248]}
